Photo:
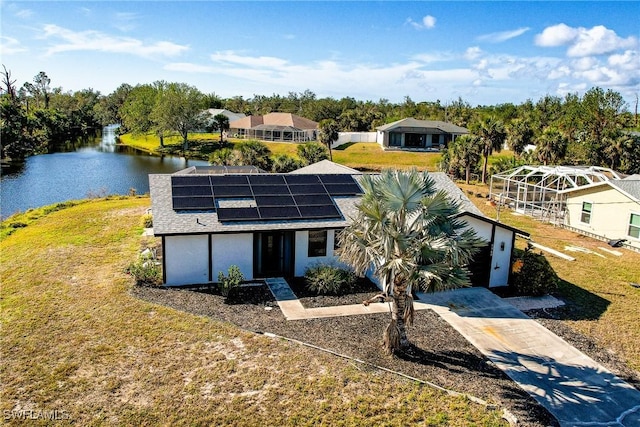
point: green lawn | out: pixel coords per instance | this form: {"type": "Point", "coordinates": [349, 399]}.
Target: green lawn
{"type": "Point", "coordinates": [73, 339]}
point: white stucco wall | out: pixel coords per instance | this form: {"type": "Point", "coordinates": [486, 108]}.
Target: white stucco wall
{"type": "Point", "coordinates": [232, 249]}
{"type": "Point", "coordinates": [610, 213]}
{"type": "Point", "coordinates": [500, 258]}
{"type": "Point", "coordinates": [186, 259]}
{"type": "Point", "coordinates": [302, 252]}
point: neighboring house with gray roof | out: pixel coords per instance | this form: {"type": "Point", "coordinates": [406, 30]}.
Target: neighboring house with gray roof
{"type": "Point", "coordinates": [609, 210]}
{"type": "Point", "coordinates": [414, 134]}
{"type": "Point", "coordinates": [280, 224]}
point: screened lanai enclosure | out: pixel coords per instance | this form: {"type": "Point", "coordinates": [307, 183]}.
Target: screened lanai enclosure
{"type": "Point", "coordinates": [539, 191]}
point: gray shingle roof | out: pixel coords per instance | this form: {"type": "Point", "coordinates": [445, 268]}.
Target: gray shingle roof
{"type": "Point", "coordinates": [166, 221]}
{"type": "Point", "coordinates": [629, 186]}
{"type": "Point", "coordinates": [433, 124]}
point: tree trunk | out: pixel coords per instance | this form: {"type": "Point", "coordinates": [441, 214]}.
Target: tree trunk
{"type": "Point", "coordinates": [395, 336]}
{"type": "Point", "coordinates": [468, 172]}
{"type": "Point", "coordinates": [484, 169]}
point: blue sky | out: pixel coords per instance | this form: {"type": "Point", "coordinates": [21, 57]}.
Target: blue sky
{"type": "Point", "coordinates": [483, 52]}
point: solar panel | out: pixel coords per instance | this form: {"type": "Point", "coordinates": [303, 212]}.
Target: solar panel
{"type": "Point", "coordinates": [308, 189]}
{"type": "Point", "coordinates": [193, 203]}
{"type": "Point", "coordinates": [229, 180]}
{"type": "Point", "coordinates": [270, 190]}
{"type": "Point", "coordinates": [317, 199]}
{"type": "Point", "coordinates": [280, 212]}
{"type": "Point", "coordinates": [337, 179]}
{"type": "Point", "coordinates": [192, 190]}
{"type": "Point", "coordinates": [232, 191]}
{"type": "Point", "coordinates": [190, 180]}
{"type": "Point", "coordinates": [265, 197]}
{"type": "Point", "coordinates": [266, 180]}
{"type": "Point", "coordinates": [324, 211]}
{"type": "Point", "coordinates": [263, 201]}
{"type": "Point", "coordinates": [343, 189]}
{"type": "Point", "coordinates": [302, 179]}
{"type": "Point", "coordinates": [238, 214]}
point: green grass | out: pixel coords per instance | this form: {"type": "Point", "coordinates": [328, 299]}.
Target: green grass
{"type": "Point", "coordinates": [74, 339]}
{"type": "Point", "coordinates": [607, 306]}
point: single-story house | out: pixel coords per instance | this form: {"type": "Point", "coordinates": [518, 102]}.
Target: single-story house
{"type": "Point", "coordinates": [418, 134]}
{"type": "Point", "coordinates": [284, 127]}
{"type": "Point", "coordinates": [608, 210]}
{"type": "Point", "coordinates": [279, 224]}
{"type": "Point", "coordinates": [229, 114]}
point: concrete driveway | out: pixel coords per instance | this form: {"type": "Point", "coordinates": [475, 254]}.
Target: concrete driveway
{"type": "Point", "coordinates": [573, 387]}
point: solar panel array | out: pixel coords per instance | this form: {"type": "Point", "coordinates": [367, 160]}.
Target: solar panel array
{"type": "Point", "coordinates": [275, 197]}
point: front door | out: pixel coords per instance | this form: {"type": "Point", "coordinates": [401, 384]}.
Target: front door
{"type": "Point", "coordinates": [273, 254]}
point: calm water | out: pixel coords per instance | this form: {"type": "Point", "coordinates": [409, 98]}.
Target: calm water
{"type": "Point", "coordinates": [98, 169]}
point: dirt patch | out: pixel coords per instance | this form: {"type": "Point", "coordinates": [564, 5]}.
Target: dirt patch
{"type": "Point", "coordinates": [439, 354]}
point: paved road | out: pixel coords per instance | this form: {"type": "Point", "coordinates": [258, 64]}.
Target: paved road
{"type": "Point", "coordinates": [573, 387]}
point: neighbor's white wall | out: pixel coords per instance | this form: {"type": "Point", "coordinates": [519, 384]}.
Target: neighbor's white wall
{"type": "Point", "coordinates": [501, 258]}
{"type": "Point", "coordinates": [232, 249]}
{"type": "Point", "coordinates": [302, 260]}
{"type": "Point", "coordinates": [610, 213]}
{"type": "Point", "coordinates": [345, 137]}
{"type": "Point", "coordinates": [186, 259]}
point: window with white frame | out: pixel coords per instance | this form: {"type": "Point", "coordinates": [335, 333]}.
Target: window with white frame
{"type": "Point", "coordinates": [585, 215]}
{"type": "Point", "coordinates": [317, 243]}
{"type": "Point", "coordinates": [634, 226]}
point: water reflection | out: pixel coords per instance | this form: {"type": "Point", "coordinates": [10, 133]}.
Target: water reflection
{"type": "Point", "coordinates": [96, 167]}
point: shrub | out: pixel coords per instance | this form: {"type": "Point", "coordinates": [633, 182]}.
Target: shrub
{"type": "Point", "coordinates": [230, 282]}
{"type": "Point", "coordinates": [324, 279]}
{"type": "Point", "coordinates": [146, 272]}
{"type": "Point", "coordinates": [532, 274]}
{"type": "Point", "coordinates": [147, 220]}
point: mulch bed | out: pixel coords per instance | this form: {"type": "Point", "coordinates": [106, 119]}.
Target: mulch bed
{"type": "Point", "coordinates": [363, 290]}
{"type": "Point", "coordinates": [439, 354]}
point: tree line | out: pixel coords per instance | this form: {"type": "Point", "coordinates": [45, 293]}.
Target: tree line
{"type": "Point", "coordinates": [588, 129]}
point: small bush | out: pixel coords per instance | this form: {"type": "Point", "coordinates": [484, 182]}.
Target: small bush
{"type": "Point", "coordinates": [324, 279]}
{"type": "Point", "coordinates": [532, 274]}
{"type": "Point", "coordinates": [146, 272]}
{"type": "Point", "coordinates": [147, 220]}
{"type": "Point", "coordinates": [230, 282]}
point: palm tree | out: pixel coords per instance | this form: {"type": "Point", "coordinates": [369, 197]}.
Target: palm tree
{"type": "Point", "coordinates": [405, 231]}
{"type": "Point", "coordinates": [328, 134]}
{"type": "Point", "coordinates": [221, 123]}
{"type": "Point", "coordinates": [466, 153]}
{"type": "Point", "coordinates": [551, 146]}
{"type": "Point", "coordinates": [312, 152]}
{"type": "Point", "coordinates": [255, 153]}
{"type": "Point", "coordinates": [492, 135]}
{"type": "Point", "coordinates": [519, 135]}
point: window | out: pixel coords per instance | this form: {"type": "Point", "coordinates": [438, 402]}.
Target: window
{"type": "Point", "coordinates": [317, 243]}
{"type": "Point", "coordinates": [634, 226]}
{"type": "Point", "coordinates": [395, 139]}
{"type": "Point", "coordinates": [586, 213]}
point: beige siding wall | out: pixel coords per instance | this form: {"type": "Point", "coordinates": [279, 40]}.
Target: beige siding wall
{"type": "Point", "coordinates": [610, 213]}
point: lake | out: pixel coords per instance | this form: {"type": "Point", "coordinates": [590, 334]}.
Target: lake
{"type": "Point", "coordinates": [94, 169]}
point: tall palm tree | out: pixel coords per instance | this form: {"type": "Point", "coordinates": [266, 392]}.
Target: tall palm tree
{"type": "Point", "coordinates": [405, 232]}
{"type": "Point", "coordinates": [492, 134]}
{"type": "Point", "coordinates": [221, 123]}
{"type": "Point", "coordinates": [328, 134]}
{"type": "Point", "coordinates": [551, 146]}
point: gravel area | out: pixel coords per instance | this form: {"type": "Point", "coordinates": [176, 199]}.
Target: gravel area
{"type": "Point", "coordinates": [439, 354]}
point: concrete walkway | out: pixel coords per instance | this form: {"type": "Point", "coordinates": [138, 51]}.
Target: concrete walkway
{"type": "Point", "coordinates": [573, 387]}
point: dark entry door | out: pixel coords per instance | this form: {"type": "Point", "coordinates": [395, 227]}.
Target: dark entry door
{"type": "Point", "coordinates": [480, 267]}
{"type": "Point", "coordinates": [273, 254]}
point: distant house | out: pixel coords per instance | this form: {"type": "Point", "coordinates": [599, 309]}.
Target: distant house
{"type": "Point", "coordinates": [609, 210]}
{"type": "Point", "coordinates": [418, 134]}
{"type": "Point", "coordinates": [272, 225]}
{"type": "Point", "coordinates": [285, 127]}
{"type": "Point", "coordinates": [230, 114]}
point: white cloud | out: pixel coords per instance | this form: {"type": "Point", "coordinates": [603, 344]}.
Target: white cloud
{"type": "Point", "coordinates": [232, 57]}
{"type": "Point", "coordinates": [473, 53]}
{"type": "Point", "coordinates": [428, 22]}
{"type": "Point", "coordinates": [556, 35]}
{"type": "Point", "coordinates": [586, 63]}
{"type": "Point", "coordinates": [629, 60]}
{"type": "Point", "coordinates": [68, 40]}
{"type": "Point", "coordinates": [430, 58]}
{"type": "Point", "coordinates": [125, 21]}
{"type": "Point", "coordinates": [502, 35]}
{"type": "Point", "coordinates": [24, 13]}
{"type": "Point", "coordinates": [9, 46]}
{"type": "Point", "coordinates": [583, 41]}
